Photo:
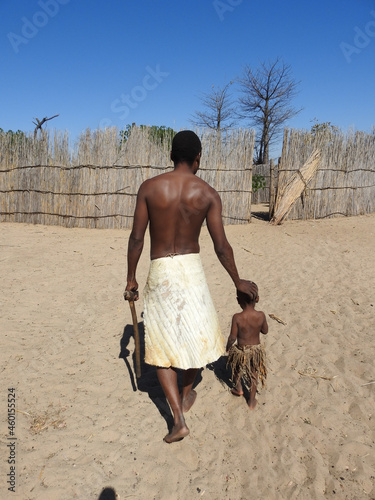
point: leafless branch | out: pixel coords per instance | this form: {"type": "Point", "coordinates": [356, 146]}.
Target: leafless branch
{"type": "Point", "coordinates": [219, 111]}
{"type": "Point", "coordinates": [39, 124]}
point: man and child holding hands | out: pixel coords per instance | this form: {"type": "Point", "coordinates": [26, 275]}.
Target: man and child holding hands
{"type": "Point", "coordinates": [181, 325]}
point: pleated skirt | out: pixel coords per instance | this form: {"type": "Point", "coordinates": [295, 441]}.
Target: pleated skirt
{"type": "Point", "coordinates": [181, 324]}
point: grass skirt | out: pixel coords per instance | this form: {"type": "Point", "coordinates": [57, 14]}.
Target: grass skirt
{"type": "Point", "coordinates": [247, 363]}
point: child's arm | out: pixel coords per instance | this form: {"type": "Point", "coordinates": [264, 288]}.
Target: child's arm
{"type": "Point", "coordinates": [233, 333]}
{"type": "Point", "coordinates": [264, 328]}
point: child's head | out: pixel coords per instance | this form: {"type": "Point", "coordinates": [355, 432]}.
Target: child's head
{"type": "Point", "coordinates": [244, 298]}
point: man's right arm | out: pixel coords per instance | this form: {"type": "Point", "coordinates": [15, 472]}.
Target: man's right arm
{"type": "Point", "coordinates": [222, 247]}
{"type": "Point", "coordinates": [136, 239]}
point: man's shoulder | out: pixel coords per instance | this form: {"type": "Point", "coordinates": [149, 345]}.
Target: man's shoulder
{"type": "Point", "coordinates": [165, 176]}
{"type": "Point", "coordinates": [149, 186]}
{"type": "Point", "coordinates": [205, 184]}
{"type": "Point", "coordinates": [207, 188]}
{"type": "Point", "coordinates": [152, 181]}
{"type": "Point", "coordinates": [156, 178]}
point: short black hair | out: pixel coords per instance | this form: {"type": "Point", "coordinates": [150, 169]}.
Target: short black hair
{"type": "Point", "coordinates": [244, 297]}
{"type": "Point", "coordinates": [186, 146]}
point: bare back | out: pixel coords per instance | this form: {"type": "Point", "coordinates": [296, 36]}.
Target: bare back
{"type": "Point", "coordinates": [248, 325]}
{"type": "Point", "coordinates": [177, 204]}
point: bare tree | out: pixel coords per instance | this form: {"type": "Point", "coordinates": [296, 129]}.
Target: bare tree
{"type": "Point", "coordinates": [266, 102]}
{"type": "Point", "coordinates": [219, 111]}
{"type": "Point", "coordinates": [39, 124]}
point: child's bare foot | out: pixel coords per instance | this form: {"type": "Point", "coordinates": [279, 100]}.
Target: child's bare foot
{"type": "Point", "coordinates": [237, 389]}
{"type": "Point", "coordinates": [252, 403]}
{"type": "Point", "coordinates": [178, 432]}
{"type": "Point", "coordinates": [189, 400]}
{"type": "Point", "coordinates": [236, 392]}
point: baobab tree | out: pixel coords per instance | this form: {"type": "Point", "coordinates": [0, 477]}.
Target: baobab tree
{"type": "Point", "coordinates": [265, 101]}
{"type": "Point", "coordinates": [218, 111]}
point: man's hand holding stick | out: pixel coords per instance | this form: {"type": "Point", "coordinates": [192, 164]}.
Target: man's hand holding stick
{"type": "Point", "coordinates": [131, 296]}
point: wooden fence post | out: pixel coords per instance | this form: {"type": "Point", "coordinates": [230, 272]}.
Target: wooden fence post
{"type": "Point", "coordinates": [272, 191]}
{"type": "Point", "coordinates": [250, 189]}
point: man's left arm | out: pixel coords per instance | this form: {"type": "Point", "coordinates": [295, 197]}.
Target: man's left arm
{"type": "Point", "coordinates": [223, 249]}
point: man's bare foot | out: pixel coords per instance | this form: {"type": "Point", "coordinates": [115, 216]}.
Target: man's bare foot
{"type": "Point", "coordinates": [188, 401]}
{"type": "Point", "coordinates": [236, 392]}
{"type": "Point", "coordinates": [252, 404]}
{"type": "Point", "coordinates": [178, 432]}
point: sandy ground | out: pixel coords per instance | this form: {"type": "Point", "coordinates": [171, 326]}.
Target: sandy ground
{"type": "Point", "coordinates": [81, 425]}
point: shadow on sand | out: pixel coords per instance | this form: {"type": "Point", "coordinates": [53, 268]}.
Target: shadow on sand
{"type": "Point", "coordinates": [108, 494]}
{"type": "Point", "coordinates": [222, 373]}
{"type": "Point", "coordinates": [148, 381]}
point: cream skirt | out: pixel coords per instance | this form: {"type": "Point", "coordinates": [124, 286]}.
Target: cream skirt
{"type": "Point", "coordinates": [181, 325]}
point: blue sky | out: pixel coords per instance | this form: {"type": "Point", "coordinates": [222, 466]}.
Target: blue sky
{"type": "Point", "coordinates": [102, 63]}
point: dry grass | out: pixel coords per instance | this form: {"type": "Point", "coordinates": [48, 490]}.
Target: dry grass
{"type": "Point", "coordinates": [52, 417]}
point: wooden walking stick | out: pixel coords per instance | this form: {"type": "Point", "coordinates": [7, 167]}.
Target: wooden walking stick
{"type": "Point", "coordinates": [130, 296]}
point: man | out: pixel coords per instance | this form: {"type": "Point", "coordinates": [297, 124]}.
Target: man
{"type": "Point", "coordinates": [181, 326]}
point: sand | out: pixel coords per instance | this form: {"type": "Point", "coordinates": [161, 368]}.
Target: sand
{"type": "Point", "coordinates": [82, 426]}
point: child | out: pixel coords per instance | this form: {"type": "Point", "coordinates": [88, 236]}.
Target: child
{"type": "Point", "coordinates": [246, 358]}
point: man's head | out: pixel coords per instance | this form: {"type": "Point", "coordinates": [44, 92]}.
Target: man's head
{"type": "Point", "coordinates": [186, 146]}
{"type": "Point", "coordinates": [244, 298]}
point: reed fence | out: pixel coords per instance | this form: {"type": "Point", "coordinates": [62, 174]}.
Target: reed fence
{"type": "Point", "coordinates": [94, 182]}
{"type": "Point", "coordinates": [345, 180]}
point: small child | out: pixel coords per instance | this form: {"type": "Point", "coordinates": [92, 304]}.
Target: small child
{"type": "Point", "coordinates": [246, 358]}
